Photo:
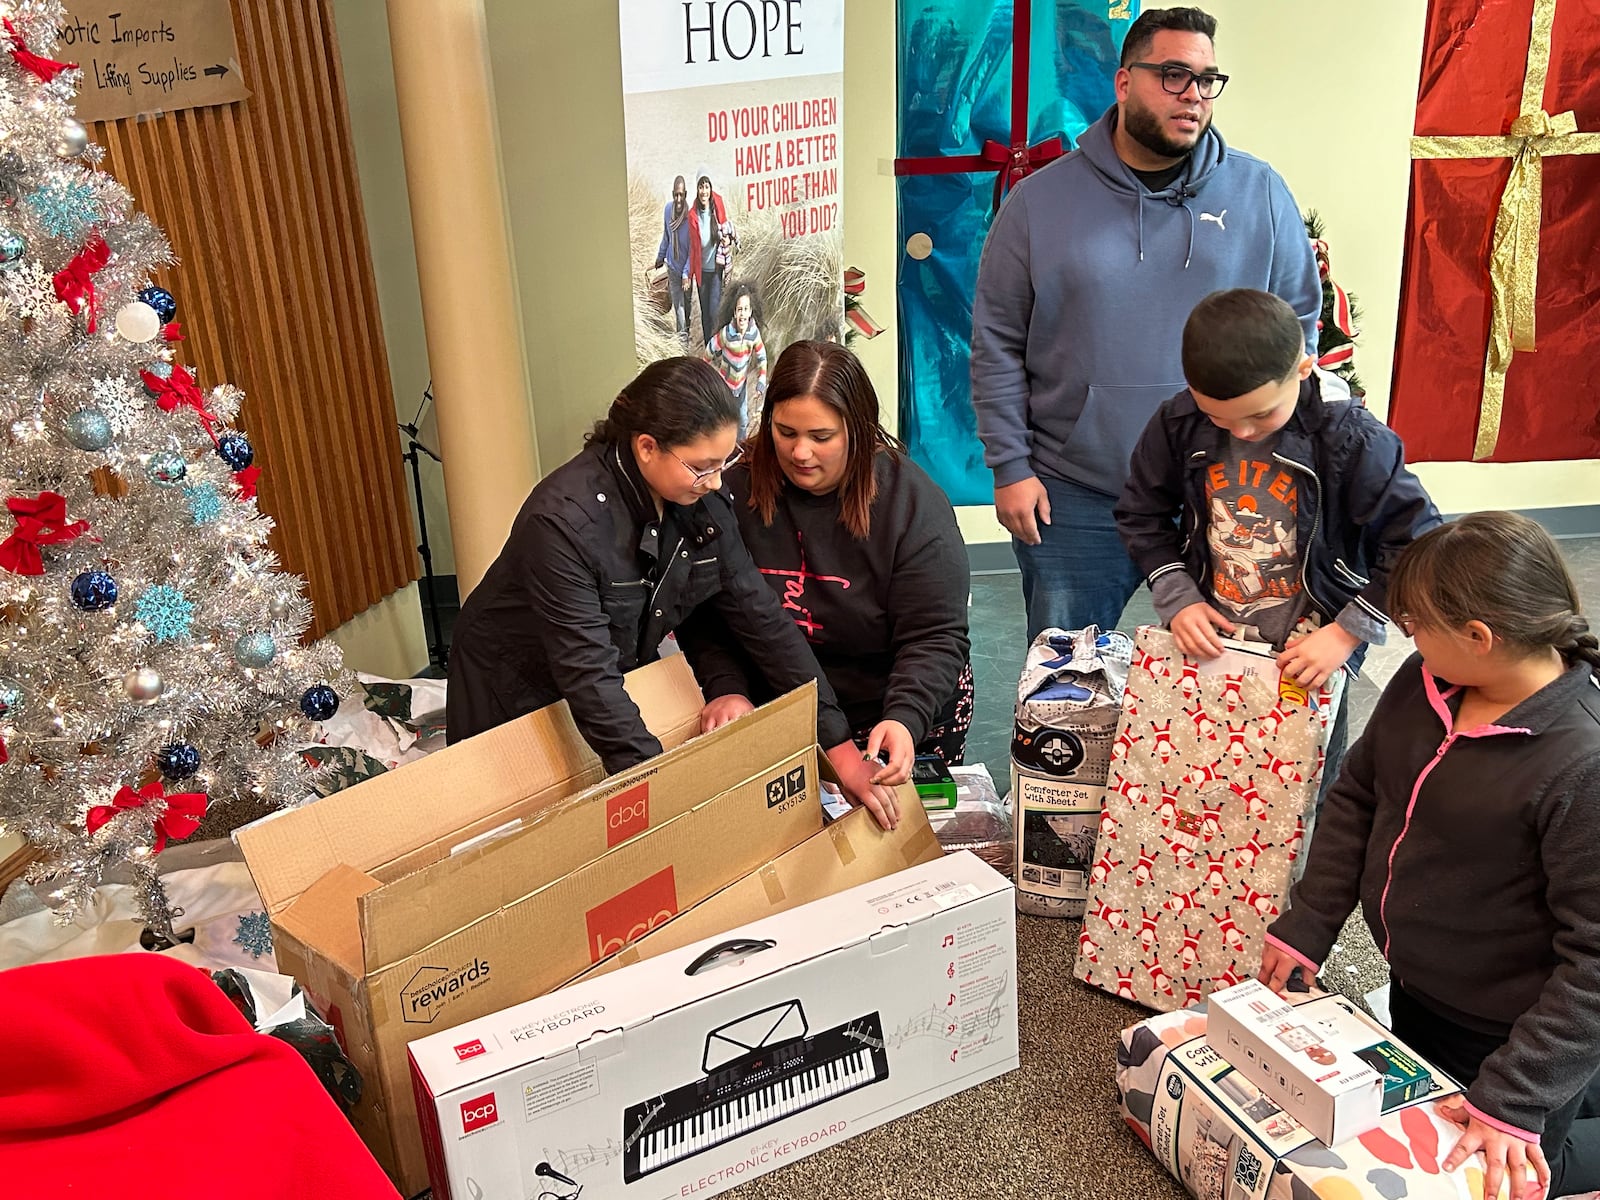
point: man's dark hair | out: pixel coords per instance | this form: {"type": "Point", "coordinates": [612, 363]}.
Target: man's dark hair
{"type": "Point", "coordinates": [1153, 20]}
{"type": "Point", "coordinates": [1235, 341]}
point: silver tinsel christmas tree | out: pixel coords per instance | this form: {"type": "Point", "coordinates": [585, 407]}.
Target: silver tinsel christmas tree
{"type": "Point", "coordinates": [151, 663]}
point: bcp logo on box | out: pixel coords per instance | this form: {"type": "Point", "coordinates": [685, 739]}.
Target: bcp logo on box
{"type": "Point", "coordinates": [478, 1114]}
{"type": "Point", "coordinates": [631, 914]}
{"type": "Point", "coordinates": [469, 1050]}
{"type": "Point", "coordinates": [627, 814]}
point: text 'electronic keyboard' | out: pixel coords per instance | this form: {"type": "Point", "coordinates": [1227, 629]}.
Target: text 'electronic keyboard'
{"type": "Point", "coordinates": [760, 1068]}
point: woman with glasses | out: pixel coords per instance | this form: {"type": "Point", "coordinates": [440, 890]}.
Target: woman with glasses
{"type": "Point", "coordinates": [862, 550]}
{"type": "Point", "coordinates": [609, 553]}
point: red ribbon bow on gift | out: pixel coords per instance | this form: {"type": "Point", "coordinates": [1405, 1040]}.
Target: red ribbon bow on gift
{"type": "Point", "coordinates": [75, 281]}
{"type": "Point", "coordinates": [41, 521]}
{"type": "Point", "coordinates": [181, 818]}
{"type": "Point", "coordinates": [1019, 160]}
{"type": "Point", "coordinates": [179, 391]}
{"type": "Point", "coordinates": [45, 68]}
{"type": "Point", "coordinates": [245, 480]}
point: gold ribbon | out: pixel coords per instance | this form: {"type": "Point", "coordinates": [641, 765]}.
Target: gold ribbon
{"type": "Point", "coordinates": [1514, 252]}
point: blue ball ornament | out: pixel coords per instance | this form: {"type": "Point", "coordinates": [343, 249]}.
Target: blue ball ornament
{"type": "Point", "coordinates": [319, 702]}
{"type": "Point", "coordinates": [161, 300]}
{"type": "Point", "coordinates": [166, 467]}
{"type": "Point", "coordinates": [88, 429]}
{"type": "Point", "coordinates": [12, 247]}
{"type": "Point", "coordinates": [161, 369]}
{"type": "Point", "coordinates": [235, 450]}
{"type": "Point", "coordinates": [257, 650]}
{"type": "Point", "coordinates": [178, 760]}
{"type": "Point", "coordinates": [94, 591]}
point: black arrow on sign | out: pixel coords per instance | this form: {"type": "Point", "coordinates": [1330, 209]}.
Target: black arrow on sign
{"type": "Point", "coordinates": [218, 70]}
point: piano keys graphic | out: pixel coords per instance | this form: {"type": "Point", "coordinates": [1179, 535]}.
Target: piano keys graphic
{"type": "Point", "coordinates": [758, 1069]}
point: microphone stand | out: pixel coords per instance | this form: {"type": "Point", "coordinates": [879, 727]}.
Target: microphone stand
{"type": "Point", "coordinates": [437, 652]}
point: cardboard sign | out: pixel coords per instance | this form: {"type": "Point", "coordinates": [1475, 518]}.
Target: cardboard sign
{"type": "Point", "coordinates": [147, 56]}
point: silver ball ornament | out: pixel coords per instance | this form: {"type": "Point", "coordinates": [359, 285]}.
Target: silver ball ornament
{"type": "Point", "coordinates": [255, 650]}
{"type": "Point", "coordinates": [280, 608]}
{"type": "Point", "coordinates": [138, 322]}
{"type": "Point", "coordinates": [88, 429]}
{"type": "Point", "coordinates": [11, 702]}
{"type": "Point", "coordinates": [144, 685]}
{"type": "Point", "coordinates": [166, 468]}
{"type": "Point", "coordinates": [72, 140]}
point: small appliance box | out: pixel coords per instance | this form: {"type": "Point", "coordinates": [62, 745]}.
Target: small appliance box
{"type": "Point", "coordinates": [701, 1068]}
{"type": "Point", "coordinates": [1324, 1063]}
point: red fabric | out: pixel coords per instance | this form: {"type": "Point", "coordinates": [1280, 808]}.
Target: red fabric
{"type": "Point", "coordinates": [180, 818]}
{"type": "Point", "coordinates": [74, 283]}
{"type": "Point", "coordinates": [694, 233]}
{"type": "Point", "coordinates": [133, 1076]}
{"type": "Point", "coordinates": [45, 68]}
{"type": "Point", "coordinates": [246, 481]}
{"type": "Point", "coordinates": [41, 521]}
{"type": "Point", "coordinates": [1474, 58]}
{"type": "Point", "coordinates": [180, 391]}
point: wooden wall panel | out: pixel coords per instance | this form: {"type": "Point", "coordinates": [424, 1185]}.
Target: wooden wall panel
{"type": "Point", "coordinates": [276, 295]}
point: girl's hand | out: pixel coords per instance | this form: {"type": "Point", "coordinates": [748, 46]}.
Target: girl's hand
{"type": "Point", "coordinates": [722, 710]}
{"type": "Point", "coordinates": [1276, 967]}
{"type": "Point", "coordinates": [895, 739]}
{"type": "Point", "coordinates": [1506, 1157]}
{"type": "Point", "coordinates": [1314, 658]}
{"type": "Point", "coordinates": [1195, 630]}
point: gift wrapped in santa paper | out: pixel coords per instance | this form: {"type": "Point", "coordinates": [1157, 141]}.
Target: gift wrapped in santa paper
{"type": "Point", "coordinates": [1499, 258]}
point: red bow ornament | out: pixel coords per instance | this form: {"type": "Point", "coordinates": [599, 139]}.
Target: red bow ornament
{"type": "Point", "coordinates": [75, 281]}
{"type": "Point", "coordinates": [245, 481]}
{"type": "Point", "coordinates": [180, 818]}
{"type": "Point", "coordinates": [41, 521]}
{"type": "Point", "coordinates": [179, 391]}
{"type": "Point", "coordinates": [45, 68]}
{"type": "Point", "coordinates": [172, 331]}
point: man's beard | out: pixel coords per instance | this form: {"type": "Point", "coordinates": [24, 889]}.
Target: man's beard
{"type": "Point", "coordinates": [1144, 127]}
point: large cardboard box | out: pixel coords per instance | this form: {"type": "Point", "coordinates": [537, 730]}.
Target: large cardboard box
{"type": "Point", "coordinates": [497, 869]}
{"type": "Point", "coordinates": [711, 1064]}
{"type": "Point", "coordinates": [1223, 1138]}
{"type": "Point", "coordinates": [849, 852]}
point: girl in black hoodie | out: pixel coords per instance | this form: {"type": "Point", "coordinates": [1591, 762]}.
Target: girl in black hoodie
{"type": "Point", "coordinates": [1464, 822]}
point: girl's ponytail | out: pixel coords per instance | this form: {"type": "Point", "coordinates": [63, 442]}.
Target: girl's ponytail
{"type": "Point", "coordinates": [1579, 644]}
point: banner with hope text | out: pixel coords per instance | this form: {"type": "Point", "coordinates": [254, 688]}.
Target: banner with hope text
{"type": "Point", "coordinates": [733, 111]}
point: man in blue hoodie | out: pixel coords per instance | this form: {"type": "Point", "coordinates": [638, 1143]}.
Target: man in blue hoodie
{"type": "Point", "coordinates": [1091, 268]}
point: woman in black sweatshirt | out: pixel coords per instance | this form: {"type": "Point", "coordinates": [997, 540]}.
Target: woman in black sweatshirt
{"type": "Point", "coordinates": [861, 549]}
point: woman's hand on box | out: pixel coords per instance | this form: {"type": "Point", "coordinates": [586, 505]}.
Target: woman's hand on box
{"type": "Point", "coordinates": [894, 740]}
{"type": "Point", "coordinates": [1506, 1156]}
{"type": "Point", "coordinates": [855, 777]}
{"type": "Point", "coordinates": [1276, 967]}
{"type": "Point", "coordinates": [722, 710]}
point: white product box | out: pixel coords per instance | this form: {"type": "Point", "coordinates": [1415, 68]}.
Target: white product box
{"type": "Point", "coordinates": [691, 1072]}
{"type": "Point", "coordinates": [1307, 1058]}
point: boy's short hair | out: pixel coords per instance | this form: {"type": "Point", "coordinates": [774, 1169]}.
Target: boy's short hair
{"type": "Point", "coordinates": [1237, 340]}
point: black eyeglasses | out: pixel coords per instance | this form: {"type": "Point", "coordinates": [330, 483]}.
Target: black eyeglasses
{"type": "Point", "coordinates": [703, 478]}
{"type": "Point", "coordinates": [1176, 79]}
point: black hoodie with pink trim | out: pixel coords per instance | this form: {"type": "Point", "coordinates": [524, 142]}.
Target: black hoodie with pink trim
{"type": "Point", "coordinates": [1475, 858]}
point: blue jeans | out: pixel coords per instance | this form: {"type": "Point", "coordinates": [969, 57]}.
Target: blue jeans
{"type": "Point", "coordinates": [710, 302]}
{"type": "Point", "coordinates": [1079, 574]}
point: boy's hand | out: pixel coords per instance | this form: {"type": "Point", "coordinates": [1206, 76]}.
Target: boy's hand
{"type": "Point", "coordinates": [1506, 1157]}
{"type": "Point", "coordinates": [1195, 630]}
{"type": "Point", "coordinates": [723, 709]}
{"type": "Point", "coordinates": [1276, 967]}
{"type": "Point", "coordinates": [1015, 505]}
{"type": "Point", "coordinates": [1313, 659]}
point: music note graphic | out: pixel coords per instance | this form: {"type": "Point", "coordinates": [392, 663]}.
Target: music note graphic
{"type": "Point", "coordinates": [949, 940]}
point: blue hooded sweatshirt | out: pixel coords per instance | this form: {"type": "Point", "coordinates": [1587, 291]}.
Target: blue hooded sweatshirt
{"type": "Point", "coordinates": [1084, 287]}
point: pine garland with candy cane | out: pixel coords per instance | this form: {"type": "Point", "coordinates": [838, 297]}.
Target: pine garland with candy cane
{"type": "Point", "coordinates": [151, 656]}
{"type": "Point", "coordinates": [1338, 327]}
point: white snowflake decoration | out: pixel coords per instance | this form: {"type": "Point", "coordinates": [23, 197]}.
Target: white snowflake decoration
{"type": "Point", "coordinates": [31, 290]}
{"type": "Point", "coordinates": [115, 397]}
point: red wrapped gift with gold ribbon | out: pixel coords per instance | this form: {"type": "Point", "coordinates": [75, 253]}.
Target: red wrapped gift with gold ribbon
{"type": "Point", "coordinates": [1497, 353]}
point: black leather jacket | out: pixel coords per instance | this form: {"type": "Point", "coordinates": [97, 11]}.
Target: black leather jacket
{"type": "Point", "coordinates": [589, 582]}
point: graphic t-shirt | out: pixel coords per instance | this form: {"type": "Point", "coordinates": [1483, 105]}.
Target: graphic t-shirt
{"type": "Point", "coordinates": [1253, 505]}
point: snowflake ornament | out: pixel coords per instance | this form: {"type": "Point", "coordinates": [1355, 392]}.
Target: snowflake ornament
{"type": "Point", "coordinates": [255, 934]}
{"type": "Point", "coordinates": [205, 505]}
{"type": "Point", "coordinates": [164, 611]}
{"type": "Point", "coordinates": [116, 398]}
{"type": "Point", "coordinates": [65, 207]}
{"type": "Point", "coordinates": [30, 290]}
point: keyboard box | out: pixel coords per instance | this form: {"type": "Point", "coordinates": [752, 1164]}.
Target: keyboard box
{"type": "Point", "coordinates": [496, 869]}
{"type": "Point", "coordinates": [709, 1065]}
{"type": "Point", "coordinates": [851, 851]}
{"type": "Point", "coordinates": [1311, 1059]}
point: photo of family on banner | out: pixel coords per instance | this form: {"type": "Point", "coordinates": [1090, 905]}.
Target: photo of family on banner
{"type": "Point", "coordinates": [1210, 799]}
